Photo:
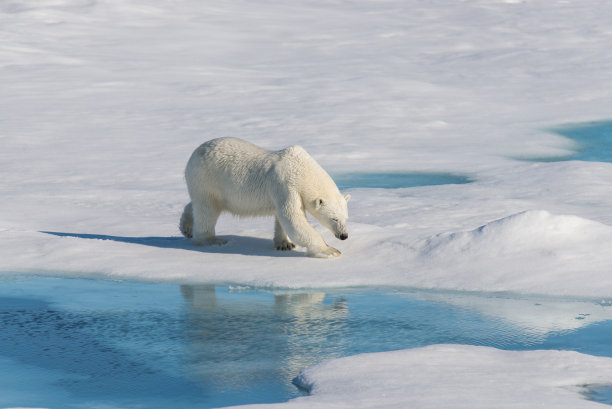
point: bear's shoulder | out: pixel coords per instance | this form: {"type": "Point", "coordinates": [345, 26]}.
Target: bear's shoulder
{"type": "Point", "coordinates": [294, 157]}
{"type": "Point", "coordinates": [293, 152]}
{"type": "Point", "coordinates": [290, 163]}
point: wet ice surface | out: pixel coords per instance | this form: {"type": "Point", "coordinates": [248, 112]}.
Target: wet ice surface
{"type": "Point", "coordinates": [78, 343]}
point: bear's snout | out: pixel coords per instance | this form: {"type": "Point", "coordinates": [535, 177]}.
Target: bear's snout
{"type": "Point", "coordinates": [343, 236]}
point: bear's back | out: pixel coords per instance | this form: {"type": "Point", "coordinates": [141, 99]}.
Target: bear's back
{"type": "Point", "coordinates": [234, 173]}
{"type": "Point", "coordinates": [223, 150]}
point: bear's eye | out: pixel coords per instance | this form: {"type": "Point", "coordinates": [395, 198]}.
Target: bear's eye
{"type": "Point", "coordinates": [334, 219]}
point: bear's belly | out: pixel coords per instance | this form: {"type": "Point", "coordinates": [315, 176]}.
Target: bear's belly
{"type": "Point", "coordinates": [245, 204]}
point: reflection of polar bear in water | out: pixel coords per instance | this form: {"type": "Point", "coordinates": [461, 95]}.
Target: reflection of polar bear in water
{"type": "Point", "coordinates": [291, 329]}
{"type": "Point", "coordinates": [229, 174]}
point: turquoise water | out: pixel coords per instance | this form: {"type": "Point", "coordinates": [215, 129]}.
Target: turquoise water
{"type": "Point", "coordinates": [78, 343]}
{"type": "Point", "coordinates": [395, 180]}
{"type": "Point", "coordinates": [601, 394]}
{"type": "Point", "coordinates": [593, 142]}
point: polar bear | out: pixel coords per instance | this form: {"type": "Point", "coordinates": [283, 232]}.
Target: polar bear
{"type": "Point", "coordinates": [232, 175]}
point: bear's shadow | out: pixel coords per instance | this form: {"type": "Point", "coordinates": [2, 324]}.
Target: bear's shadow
{"type": "Point", "coordinates": [243, 245]}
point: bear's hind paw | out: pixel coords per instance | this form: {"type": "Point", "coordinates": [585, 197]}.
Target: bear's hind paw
{"type": "Point", "coordinates": [284, 245]}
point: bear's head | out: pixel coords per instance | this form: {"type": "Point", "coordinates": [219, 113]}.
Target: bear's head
{"type": "Point", "coordinates": [332, 212]}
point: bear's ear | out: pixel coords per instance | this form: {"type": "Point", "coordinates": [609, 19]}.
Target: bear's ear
{"type": "Point", "coordinates": [318, 203]}
{"type": "Point", "coordinates": [347, 197]}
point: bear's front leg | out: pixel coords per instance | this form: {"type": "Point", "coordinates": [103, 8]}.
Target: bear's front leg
{"type": "Point", "coordinates": [327, 252]}
{"type": "Point", "coordinates": [294, 223]}
{"type": "Point", "coordinates": [281, 240]}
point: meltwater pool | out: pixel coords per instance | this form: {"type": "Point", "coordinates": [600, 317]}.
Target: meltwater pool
{"type": "Point", "coordinates": [83, 343]}
{"type": "Point", "coordinates": [592, 142]}
{"type": "Point", "coordinates": [593, 139]}
{"type": "Point", "coordinates": [395, 180]}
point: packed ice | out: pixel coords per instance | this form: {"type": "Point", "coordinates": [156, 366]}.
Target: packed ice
{"type": "Point", "coordinates": [103, 102]}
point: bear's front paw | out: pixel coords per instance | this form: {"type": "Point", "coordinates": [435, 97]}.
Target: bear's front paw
{"type": "Point", "coordinates": [327, 252]}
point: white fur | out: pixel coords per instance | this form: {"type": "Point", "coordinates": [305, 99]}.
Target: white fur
{"type": "Point", "coordinates": [229, 174]}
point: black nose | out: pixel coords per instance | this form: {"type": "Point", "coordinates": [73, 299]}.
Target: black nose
{"type": "Point", "coordinates": [343, 236]}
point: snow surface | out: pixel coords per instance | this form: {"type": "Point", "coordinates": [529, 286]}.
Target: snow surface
{"type": "Point", "coordinates": [104, 101]}
{"type": "Point", "coordinates": [453, 377]}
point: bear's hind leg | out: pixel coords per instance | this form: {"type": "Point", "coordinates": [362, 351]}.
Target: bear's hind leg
{"type": "Point", "coordinates": [186, 223]}
{"type": "Point", "coordinates": [281, 240]}
{"type": "Point", "coordinates": [205, 216]}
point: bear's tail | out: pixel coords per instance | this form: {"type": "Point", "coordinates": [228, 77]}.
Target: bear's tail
{"type": "Point", "coordinates": [186, 223]}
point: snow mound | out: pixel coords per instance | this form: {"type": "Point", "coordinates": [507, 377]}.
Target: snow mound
{"type": "Point", "coordinates": [453, 376]}
{"type": "Point", "coordinates": [533, 251]}
{"type": "Point", "coordinates": [533, 231]}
